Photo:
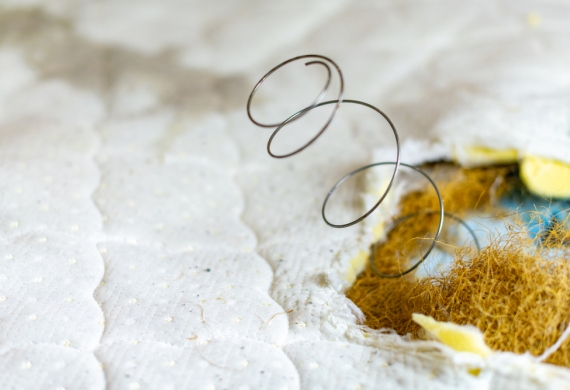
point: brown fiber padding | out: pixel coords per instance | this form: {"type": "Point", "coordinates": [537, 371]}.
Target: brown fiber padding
{"type": "Point", "coordinates": [516, 293]}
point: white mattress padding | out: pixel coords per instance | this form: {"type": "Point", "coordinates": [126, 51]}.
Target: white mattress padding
{"type": "Point", "coordinates": [134, 152]}
{"type": "Point", "coordinates": [537, 126]}
{"type": "Point", "coordinates": [187, 297]}
{"type": "Point", "coordinates": [219, 364]}
{"type": "Point", "coordinates": [50, 322]}
{"type": "Point", "coordinates": [51, 365]}
{"type": "Point", "coordinates": [53, 264]}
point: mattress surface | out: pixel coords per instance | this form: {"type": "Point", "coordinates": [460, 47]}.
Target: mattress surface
{"type": "Point", "coordinates": [148, 240]}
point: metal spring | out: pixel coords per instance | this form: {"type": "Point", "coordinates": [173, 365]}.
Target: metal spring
{"type": "Point", "coordinates": [327, 63]}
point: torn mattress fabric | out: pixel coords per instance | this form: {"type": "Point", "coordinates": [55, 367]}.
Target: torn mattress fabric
{"type": "Point", "coordinates": [148, 240]}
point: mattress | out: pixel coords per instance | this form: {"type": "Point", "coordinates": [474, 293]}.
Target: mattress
{"type": "Point", "coordinates": [149, 241]}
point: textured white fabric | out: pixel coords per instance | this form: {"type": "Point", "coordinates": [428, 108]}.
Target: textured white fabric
{"type": "Point", "coordinates": [50, 366]}
{"type": "Point", "coordinates": [149, 242]}
{"type": "Point", "coordinates": [220, 364]}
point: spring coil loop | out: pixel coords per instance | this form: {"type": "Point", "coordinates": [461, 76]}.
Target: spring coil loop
{"type": "Point", "coordinates": [327, 63]}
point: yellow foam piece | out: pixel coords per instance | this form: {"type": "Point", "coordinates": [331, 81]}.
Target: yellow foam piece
{"type": "Point", "coordinates": [356, 266]}
{"type": "Point", "coordinates": [546, 177]}
{"type": "Point", "coordinates": [534, 19]}
{"type": "Point", "coordinates": [463, 338]}
{"type": "Point", "coordinates": [358, 263]}
{"type": "Point", "coordinates": [480, 155]}
{"type": "Point", "coordinates": [377, 231]}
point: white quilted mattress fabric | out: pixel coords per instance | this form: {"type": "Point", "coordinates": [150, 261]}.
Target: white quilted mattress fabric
{"type": "Point", "coordinates": [149, 242]}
